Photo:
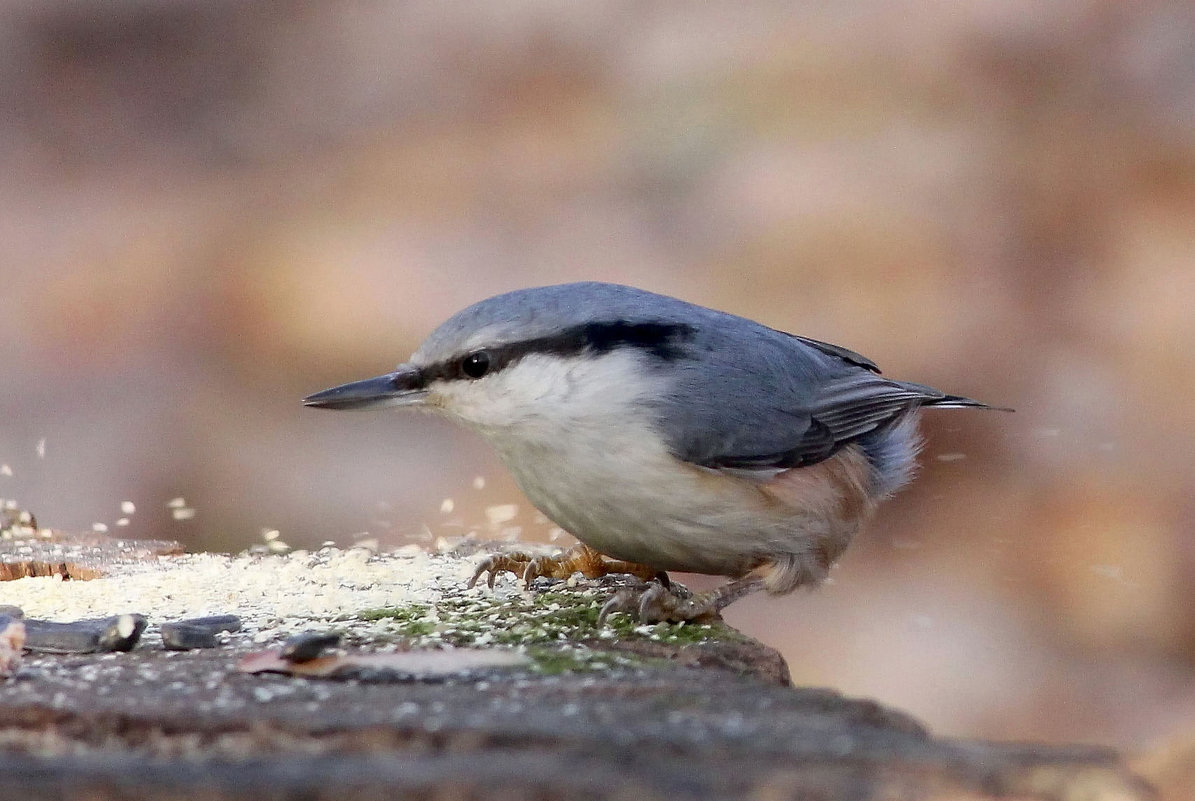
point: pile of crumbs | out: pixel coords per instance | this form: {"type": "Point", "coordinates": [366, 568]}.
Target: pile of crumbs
{"type": "Point", "coordinates": [409, 595]}
{"type": "Point", "coordinates": [274, 595]}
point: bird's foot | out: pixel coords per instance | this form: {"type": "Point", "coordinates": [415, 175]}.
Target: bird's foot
{"type": "Point", "coordinates": [657, 603]}
{"type": "Point", "coordinates": [578, 559]}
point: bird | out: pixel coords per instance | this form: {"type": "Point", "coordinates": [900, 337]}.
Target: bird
{"type": "Point", "coordinates": [666, 436]}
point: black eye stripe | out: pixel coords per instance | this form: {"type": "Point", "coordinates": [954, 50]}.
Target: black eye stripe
{"type": "Point", "coordinates": [661, 340]}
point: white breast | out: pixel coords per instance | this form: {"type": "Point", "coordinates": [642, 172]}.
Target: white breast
{"type": "Point", "coordinates": [580, 438]}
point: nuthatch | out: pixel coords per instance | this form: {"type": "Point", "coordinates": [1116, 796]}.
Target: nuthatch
{"type": "Point", "coordinates": [667, 436]}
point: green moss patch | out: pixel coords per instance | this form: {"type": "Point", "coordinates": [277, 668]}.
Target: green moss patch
{"type": "Point", "coordinates": [547, 617]}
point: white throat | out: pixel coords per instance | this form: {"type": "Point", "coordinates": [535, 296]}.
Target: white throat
{"type": "Point", "coordinates": [544, 399]}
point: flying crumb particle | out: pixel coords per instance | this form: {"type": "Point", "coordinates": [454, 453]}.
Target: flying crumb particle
{"type": "Point", "coordinates": [446, 505]}
{"type": "Point", "coordinates": [124, 521]}
{"type": "Point", "coordinates": [127, 507]}
{"type": "Point", "coordinates": [277, 546]}
{"type": "Point", "coordinates": [408, 551]}
{"type": "Point", "coordinates": [5, 470]}
{"type": "Point", "coordinates": [176, 503]}
{"type": "Point", "coordinates": [270, 534]}
{"type": "Point", "coordinates": [41, 448]}
{"type": "Point", "coordinates": [555, 533]}
{"type": "Point", "coordinates": [182, 512]}
{"type": "Point", "coordinates": [479, 482]}
{"type": "Point", "coordinates": [501, 513]}
{"type": "Point", "coordinates": [99, 528]}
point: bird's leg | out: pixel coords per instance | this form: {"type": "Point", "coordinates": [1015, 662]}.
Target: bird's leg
{"type": "Point", "coordinates": [578, 559]}
{"type": "Point", "coordinates": [658, 603]}
{"type": "Point", "coordinates": [514, 562]}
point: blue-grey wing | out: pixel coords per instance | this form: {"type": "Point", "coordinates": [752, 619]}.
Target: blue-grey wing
{"type": "Point", "coordinates": [775, 402]}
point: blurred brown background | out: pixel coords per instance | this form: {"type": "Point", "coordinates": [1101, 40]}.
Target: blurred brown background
{"type": "Point", "coordinates": [210, 210]}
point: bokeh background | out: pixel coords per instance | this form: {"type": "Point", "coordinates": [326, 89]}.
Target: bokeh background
{"type": "Point", "coordinates": [209, 210]}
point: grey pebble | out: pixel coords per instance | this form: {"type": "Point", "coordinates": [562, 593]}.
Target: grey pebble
{"type": "Point", "coordinates": [308, 645]}
{"type": "Point", "coordinates": [197, 632]}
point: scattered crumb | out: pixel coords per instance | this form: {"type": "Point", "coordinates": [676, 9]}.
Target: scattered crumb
{"type": "Point", "coordinates": [99, 528]}
{"type": "Point", "coordinates": [501, 513]}
{"type": "Point", "coordinates": [182, 513]}
{"type": "Point", "coordinates": [127, 507]}
{"type": "Point", "coordinates": [124, 521]}
{"type": "Point", "coordinates": [176, 503]}
{"type": "Point", "coordinates": [479, 483]}
{"type": "Point", "coordinates": [446, 506]}
{"type": "Point", "coordinates": [5, 470]}
{"type": "Point", "coordinates": [41, 448]}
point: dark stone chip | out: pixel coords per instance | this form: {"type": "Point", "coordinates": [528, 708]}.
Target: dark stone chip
{"type": "Point", "coordinates": [214, 623]}
{"type": "Point", "coordinates": [308, 645]}
{"type": "Point", "coordinates": [183, 637]}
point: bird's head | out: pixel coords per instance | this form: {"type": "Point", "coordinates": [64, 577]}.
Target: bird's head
{"type": "Point", "coordinates": [533, 362]}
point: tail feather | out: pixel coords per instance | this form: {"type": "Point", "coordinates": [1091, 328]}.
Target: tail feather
{"type": "Point", "coordinates": [959, 402]}
{"type": "Point", "coordinates": [940, 400]}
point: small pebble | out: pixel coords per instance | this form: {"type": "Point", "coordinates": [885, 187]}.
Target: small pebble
{"type": "Point", "coordinates": [12, 642]}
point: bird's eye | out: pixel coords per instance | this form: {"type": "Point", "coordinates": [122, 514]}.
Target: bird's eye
{"type": "Point", "coordinates": [476, 364]}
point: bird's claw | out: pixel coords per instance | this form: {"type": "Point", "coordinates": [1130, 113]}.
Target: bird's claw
{"type": "Point", "coordinates": [539, 566]}
{"type": "Point", "coordinates": [656, 603]}
{"type": "Point", "coordinates": [498, 563]}
{"type": "Point", "coordinates": [578, 559]}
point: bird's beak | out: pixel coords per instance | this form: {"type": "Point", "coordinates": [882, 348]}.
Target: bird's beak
{"type": "Point", "coordinates": [403, 387]}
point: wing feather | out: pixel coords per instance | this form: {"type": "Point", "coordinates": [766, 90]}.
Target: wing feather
{"type": "Point", "coordinates": [756, 399]}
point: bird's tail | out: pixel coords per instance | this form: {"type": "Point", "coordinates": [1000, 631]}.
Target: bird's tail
{"type": "Point", "coordinates": [941, 400]}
